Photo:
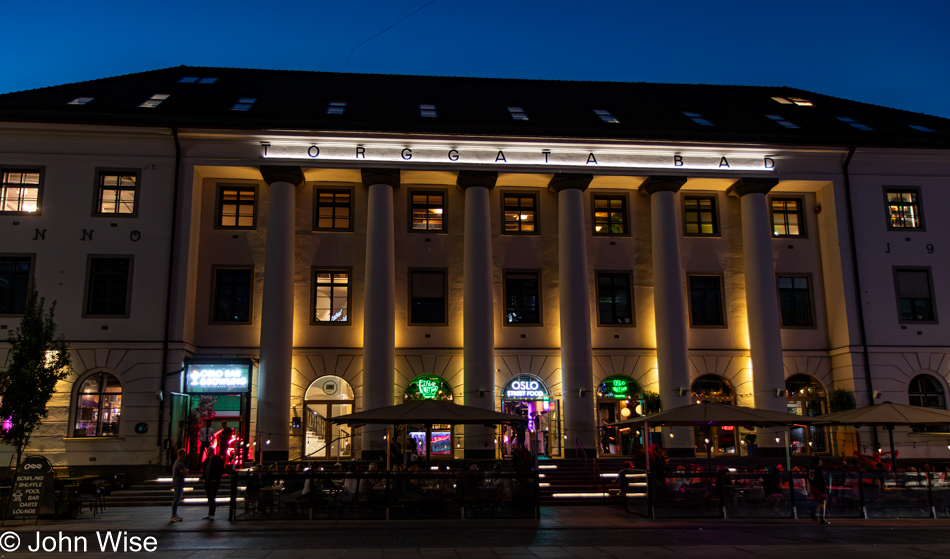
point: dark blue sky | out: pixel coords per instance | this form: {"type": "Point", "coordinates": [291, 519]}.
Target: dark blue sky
{"type": "Point", "coordinates": [891, 53]}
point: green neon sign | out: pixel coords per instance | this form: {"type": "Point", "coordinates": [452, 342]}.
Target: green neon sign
{"type": "Point", "coordinates": [619, 387]}
{"type": "Point", "coordinates": [428, 388]}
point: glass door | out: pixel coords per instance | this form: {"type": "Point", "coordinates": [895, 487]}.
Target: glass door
{"type": "Point", "coordinates": [324, 439]}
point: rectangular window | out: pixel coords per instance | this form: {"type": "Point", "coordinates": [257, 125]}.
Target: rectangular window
{"type": "Point", "coordinates": [334, 210]}
{"type": "Point", "coordinates": [610, 215]}
{"type": "Point", "coordinates": [233, 288]}
{"type": "Point", "coordinates": [108, 286]}
{"type": "Point", "coordinates": [522, 298]}
{"type": "Point", "coordinates": [14, 283]}
{"type": "Point", "coordinates": [331, 296]}
{"type": "Point", "coordinates": [705, 301]}
{"type": "Point", "coordinates": [20, 191]}
{"type": "Point", "coordinates": [915, 295]}
{"type": "Point", "coordinates": [787, 217]}
{"type": "Point", "coordinates": [115, 193]}
{"type": "Point", "coordinates": [700, 216]}
{"type": "Point", "coordinates": [237, 207]}
{"type": "Point", "coordinates": [794, 295]}
{"type": "Point", "coordinates": [427, 301]}
{"type": "Point", "coordinates": [903, 209]}
{"type": "Point", "coordinates": [520, 213]}
{"type": "Point", "coordinates": [614, 302]}
{"type": "Point", "coordinates": [428, 211]}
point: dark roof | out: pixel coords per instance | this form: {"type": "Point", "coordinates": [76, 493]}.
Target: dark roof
{"type": "Point", "coordinates": [296, 100]}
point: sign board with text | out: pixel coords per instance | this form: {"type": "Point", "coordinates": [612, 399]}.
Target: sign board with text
{"type": "Point", "coordinates": [32, 491]}
{"type": "Point", "coordinates": [217, 378]}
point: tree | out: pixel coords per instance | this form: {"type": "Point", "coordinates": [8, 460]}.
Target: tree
{"type": "Point", "coordinates": [38, 360]}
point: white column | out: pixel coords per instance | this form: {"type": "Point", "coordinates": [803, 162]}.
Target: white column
{"type": "Point", "coordinates": [379, 305]}
{"type": "Point", "coordinates": [669, 303]}
{"type": "Point", "coordinates": [277, 314]}
{"type": "Point", "coordinates": [574, 298]}
{"type": "Point", "coordinates": [478, 309]}
{"type": "Point", "coordinates": [765, 334]}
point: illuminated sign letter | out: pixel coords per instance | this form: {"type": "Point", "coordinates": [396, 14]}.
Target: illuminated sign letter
{"type": "Point", "coordinates": [769, 163]}
{"type": "Point", "coordinates": [723, 162]}
{"type": "Point", "coordinates": [500, 157]}
{"type": "Point", "coordinates": [313, 151]}
{"type": "Point", "coordinates": [678, 160]}
{"type": "Point", "coordinates": [453, 155]}
{"type": "Point", "coordinates": [406, 154]}
{"type": "Point", "coordinates": [591, 159]}
{"type": "Point", "coordinates": [360, 152]}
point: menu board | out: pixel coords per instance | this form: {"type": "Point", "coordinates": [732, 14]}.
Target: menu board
{"type": "Point", "coordinates": [32, 491]}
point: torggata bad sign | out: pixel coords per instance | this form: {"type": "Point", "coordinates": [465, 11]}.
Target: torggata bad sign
{"type": "Point", "coordinates": [32, 492]}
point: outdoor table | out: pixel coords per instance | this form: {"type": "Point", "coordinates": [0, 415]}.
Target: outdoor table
{"type": "Point", "coordinates": [275, 492]}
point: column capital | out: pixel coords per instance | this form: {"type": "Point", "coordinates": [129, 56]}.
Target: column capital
{"type": "Point", "coordinates": [380, 176]}
{"type": "Point", "coordinates": [662, 183]}
{"type": "Point", "coordinates": [751, 186]}
{"type": "Point", "coordinates": [564, 181]}
{"type": "Point", "coordinates": [282, 173]}
{"type": "Point", "coordinates": [476, 178]}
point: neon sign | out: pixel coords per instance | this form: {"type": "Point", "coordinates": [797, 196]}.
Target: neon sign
{"type": "Point", "coordinates": [526, 387]}
{"type": "Point", "coordinates": [618, 387]}
{"type": "Point", "coordinates": [428, 388]}
{"type": "Point", "coordinates": [218, 378]}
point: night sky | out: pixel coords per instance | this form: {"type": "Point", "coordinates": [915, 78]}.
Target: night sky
{"type": "Point", "coordinates": [892, 53]}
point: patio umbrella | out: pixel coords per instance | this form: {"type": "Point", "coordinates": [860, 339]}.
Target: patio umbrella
{"type": "Point", "coordinates": [887, 415]}
{"type": "Point", "coordinates": [707, 414]}
{"type": "Point", "coordinates": [428, 412]}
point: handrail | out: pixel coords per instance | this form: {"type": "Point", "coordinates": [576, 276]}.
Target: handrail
{"type": "Point", "coordinates": [341, 437]}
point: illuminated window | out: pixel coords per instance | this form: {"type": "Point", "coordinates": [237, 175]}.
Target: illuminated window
{"type": "Point", "coordinates": [194, 79]}
{"type": "Point", "coordinates": [518, 113]}
{"type": "Point", "coordinates": [794, 101]}
{"type": "Point", "coordinates": [920, 128]}
{"type": "Point", "coordinates": [606, 116]}
{"type": "Point", "coordinates": [781, 120]}
{"type": "Point", "coordinates": [427, 300]}
{"type": "Point", "coordinates": [331, 296]}
{"type": "Point", "coordinates": [336, 107]}
{"type": "Point", "coordinates": [428, 211]}
{"type": "Point", "coordinates": [787, 218]}
{"type": "Point", "coordinates": [915, 295]}
{"type": "Point", "coordinates": [154, 100]}
{"type": "Point", "coordinates": [428, 110]}
{"type": "Point", "coordinates": [233, 290]}
{"type": "Point", "coordinates": [20, 191]}
{"type": "Point", "coordinates": [334, 210]}
{"type": "Point", "coordinates": [98, 407]}
{"type": "Point", "coordinates": [700, 216]}
{"type": "Point", "coordinates": [522, 298]}
{"type": "Point", "coordinates": [610, 215]}
{"type": "Point", "coordinates": [116, 193]}
{"type": "Point", "coordinates": [783, 100]}
{"type": "Point", "coordinates": [705, 301]}
{"type": "Point", "coordinates": [14, 283]}
{"type": "Point", "coordinates": [903, 208]}
{"type": "Point", "coordinates": [108, 286]}
{"type": "Point", "coordinates": [520, 214]}
{"type": "Point", "coordinates": [927, 392]}
{"type": "Point", "coordinates": [614, 303]}
{"type": "Point", "coordinates": [80, 100]}
{"type": "Point", "coordinates": [237, 207]}
{"type": "Point", "coordinates": [244, 104]}
{"type": "Point", "coordinates": [853, 123]}
{"type": "Point", "coordinates": [795, 301]}
{"type": "Point", "coordinates": [698, 119]}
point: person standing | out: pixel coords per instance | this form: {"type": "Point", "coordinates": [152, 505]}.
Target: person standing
{"type": "Point", "coordinates": [819, 489]}
{"type": "Point", "coordinates": [211, 472]}
{"type": "Point", "coordinates": [224, 440]}
{"type": "Point", "coordinates": [204, 438]}
{"type": "Point", "coordinates": [179, 471]}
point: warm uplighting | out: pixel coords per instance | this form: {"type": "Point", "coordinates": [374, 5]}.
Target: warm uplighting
{"type": "Point", "coordinates": [625, 412]}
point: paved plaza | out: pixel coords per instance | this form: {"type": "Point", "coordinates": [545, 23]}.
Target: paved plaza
{"type": "Point", "coordinates": [562, 532]}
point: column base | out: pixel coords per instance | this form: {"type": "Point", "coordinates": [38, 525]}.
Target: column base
{"type": "Point", "coordinates": [274, 456]}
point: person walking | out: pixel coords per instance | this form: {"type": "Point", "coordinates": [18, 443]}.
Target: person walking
{"type": "Point", "coordinates": [224, 440]}
{"type": "Point", "coordinates": [204, 439]}
{"type": "Point", "coordinates": [819, 489]}
{"type": "Point", "coordinates": [211, 472]}
{"type": "Point", "coordinates": [179, 471]}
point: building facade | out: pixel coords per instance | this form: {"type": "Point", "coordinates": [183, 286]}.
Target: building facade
{"type": "Point", "coordinates": [281, 248]}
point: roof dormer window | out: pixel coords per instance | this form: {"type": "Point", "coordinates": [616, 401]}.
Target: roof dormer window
{"type": "Point", "coordinates": [606, 116]}
{"type": "Point", "coordinates": [518, 113]}
{"type": "Point", "coordinates": [427, 110]}
{"type": "Point", "coordinates": [336, 107]}
{"type": "Point", "coordinates": [154, 100]}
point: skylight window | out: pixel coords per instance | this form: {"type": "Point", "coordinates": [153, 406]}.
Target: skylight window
{"type": "Point", "coordinates": [80, 100]}
{"type": "Point", "coordinates": [698, 119]}
{"type": "Point", "coordinates": [920, 128]}
{"type": "Point", "coordinates": [154, 100]}
{"type": "Point", "coordinates": [853, 123]}
{"type": "Point", "coordinates": [518, 113]}
{"type": "Point", "coordinates": [794, 101]}
{"type": "Point", "coordinates": [196, 79]}
{"type": "Point", "coordinates": [427, 110]}
{"type": "Point", "coordinates": [781, 120]}
{"type": "Point", "coordinates": [336, 107]}
{"type": "Point", "coordinates": [207, 80]}
{"type": "Point", "coordinates": [606, 116]}
{"type": "Point", "coordinates": [244, 103]}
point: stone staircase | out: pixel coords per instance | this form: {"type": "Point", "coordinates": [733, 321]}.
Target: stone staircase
{"type": "Point", "coordinates": [158, 492]}
{"type": "Point", "coordinates": [574, 481]}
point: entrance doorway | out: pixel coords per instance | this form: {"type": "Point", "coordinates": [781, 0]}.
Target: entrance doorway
{"type": "Point", "coordinates": [528, 396]}
{"type": "Point", "coordinates": [717, 390]}
{"type": "Point", "coordinates": [327, 397]}
{"type": "Point", "coordinates": [617, 399]}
